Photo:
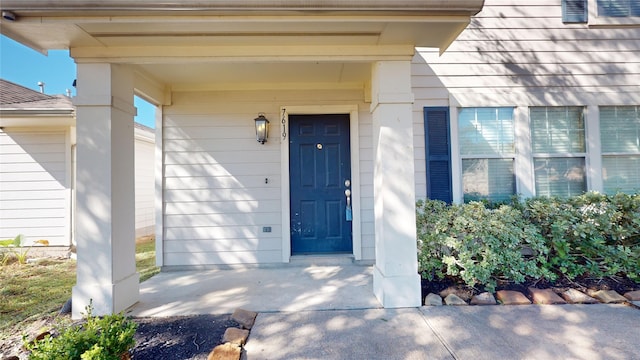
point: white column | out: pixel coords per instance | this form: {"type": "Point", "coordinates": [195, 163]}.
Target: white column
{"type": "Point", "coordinates": [105, 222]}
{"type": "Point", "coordinates": [396, 282]}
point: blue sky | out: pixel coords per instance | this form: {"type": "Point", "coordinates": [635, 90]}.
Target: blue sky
{"type": "Point", "coordinates": [24, 66]}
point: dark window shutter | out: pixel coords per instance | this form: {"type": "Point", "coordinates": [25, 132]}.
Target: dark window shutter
{"type": "Point", "coordinates": [574, 11]}
{"type": "Point", "coordinates": [438, 153]}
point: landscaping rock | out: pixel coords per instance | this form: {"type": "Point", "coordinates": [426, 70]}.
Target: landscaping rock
{"type": "Point", "coordinates": [545, 296]}
{"type": "Point", "coordinates": [608, 296]}
{"type": "Point", "coordinates": [573, 296]}
{"type": "Point", "coordinates": [510, 297]}
{"type": "Point", "coordinates": [454, 300]}
{"type": "Point", "coordinates": [433, 300]}
{"type": "Point", "coordinates": [66, 307]}
{"type": "Point", "coordinates": [245, 318]}
{"type": "Point", "coordinates": [633, 295]}
{"type": "Point", "coordinates": [462, 293]}
{"type": "Point", "coordinates": [235, 336]}
{"type": "Point", "coordinates": [486, 298]}
{"type": "Point", "coordinates": [226, 351]}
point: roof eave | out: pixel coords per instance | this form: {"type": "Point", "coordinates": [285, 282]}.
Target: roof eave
{"type": "Point", "coordinates": [72, 7]}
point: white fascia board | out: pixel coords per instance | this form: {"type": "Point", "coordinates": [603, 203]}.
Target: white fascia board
{"type": "Point", "coordinates": [471, 7]}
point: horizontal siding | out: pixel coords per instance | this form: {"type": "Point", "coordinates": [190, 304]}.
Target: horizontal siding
{"type": "Point", "coordinates": [525, 47]}
{"type": "Point", "coordinates": [34, 186]}
{"type": "Point", "coordinates": [518, 52]}
{"type": "Point", "coordinates": [221, 187]}
{"type": "Point", "coordinates": [219, 257]}
{"type": "Point", "coordinates": [144, 187]}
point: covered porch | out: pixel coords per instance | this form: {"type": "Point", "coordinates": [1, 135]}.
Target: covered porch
{"type": "Point", "coordinates": [210, 68]}
{"type": "Point", "coordinates": [301, 286]}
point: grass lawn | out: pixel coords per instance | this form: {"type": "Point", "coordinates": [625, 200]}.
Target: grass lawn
{"type": "Point", "coordinates": [29, 292]}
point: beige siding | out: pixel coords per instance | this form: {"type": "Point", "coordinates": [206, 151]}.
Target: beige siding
{"type": "Point", "coordinates": [34, 185]}
{"type": "Point", "coordinates": [144, 185]}
{"type": "Point", "coordinates": [523, 47]}
{"type": "Point", "coordinates": [519, 53]}
{"type": "Point", "coordinates": [216, 201]}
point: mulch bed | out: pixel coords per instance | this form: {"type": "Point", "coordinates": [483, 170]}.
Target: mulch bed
{"type": "Point", "coordinates": [179, 337]}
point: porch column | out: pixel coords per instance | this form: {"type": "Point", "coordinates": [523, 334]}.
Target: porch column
{"type": "Point", "coordinates": [396, 282]}
{"type": "Point", "coordinates": [105, 224]}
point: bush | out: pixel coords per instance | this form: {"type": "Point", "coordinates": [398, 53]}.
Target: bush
{"type": "Point", "coordinates": [590, 234]}
{"type": "Point", "coordinates": [477, 244]}
{"type": "Point", "coordinates": [98, 338]}
{"type": "Point", "coordinates": [541, 238]}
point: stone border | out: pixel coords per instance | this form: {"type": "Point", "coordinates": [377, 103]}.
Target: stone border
{"type": "Point", "coordinates": [234, 339]}
{"type": "Point", "coordinates": [459, 297]}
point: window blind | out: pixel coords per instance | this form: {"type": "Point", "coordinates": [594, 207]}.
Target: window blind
{"type": "Point", "coordinates": [562, 177]}
{"type": "Point", "coordinates": [618, 8]}
{"type": "Point", "coordinates": [620, 129]}
{"type": "Point", "coordinates": [557, 130]}
{"type": "Point", "coordinates": [621, 174]}
{"type": "Point", "coordinates": [486, 131]}
{"type": "Point", "coordinates": [490, 179]}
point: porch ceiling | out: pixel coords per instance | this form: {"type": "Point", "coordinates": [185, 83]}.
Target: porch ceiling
{"type": "Point", "coordinates": [227, 75]}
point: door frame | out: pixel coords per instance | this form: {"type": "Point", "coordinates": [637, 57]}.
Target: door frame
{"type": "Point", "coordinates": [354, 139]}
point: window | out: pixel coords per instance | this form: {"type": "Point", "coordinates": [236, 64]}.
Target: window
{"type": "Point", "coordinates": [618, 8]}
{"type": "Point", "coordinates": [620, 139]}
{"type": "Point", "coordinates": [487, 149]}
{"type": "Point", "coordinates": [574, 11]}
{"type": "Point", "coordinates": [558, 145]}
{"type": "Point", "coordinates": [614, 12]}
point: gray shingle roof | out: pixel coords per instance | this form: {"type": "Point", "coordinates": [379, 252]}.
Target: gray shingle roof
{"type": "Point", "coordinates": [18, 97]}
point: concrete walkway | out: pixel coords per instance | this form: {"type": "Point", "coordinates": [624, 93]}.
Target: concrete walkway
{"type": "Point", "coordinates": [329, 312]}
{"type": "Point", "coordinates": [593, 332]}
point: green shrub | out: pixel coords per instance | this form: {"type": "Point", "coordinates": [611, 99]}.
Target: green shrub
{"type": "Point", "coordinates": [98, 338]}
{"type": "Point", "coordinates": [541, 238]}
{"type": "Point", "coordinates": [591, 234]}
{"type": "Point", "coordinates": [477, 244]}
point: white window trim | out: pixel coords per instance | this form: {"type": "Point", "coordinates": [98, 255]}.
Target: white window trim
{"type": "Point", "coordinates": [595, 20]}
{"type": "Point", "coordinates": [356, 226]}
{"type": "Point", "coordinates": [593, 159]}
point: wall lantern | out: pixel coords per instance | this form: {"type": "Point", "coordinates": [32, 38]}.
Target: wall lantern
{"type": "Point", "coordinates": [262, 128]}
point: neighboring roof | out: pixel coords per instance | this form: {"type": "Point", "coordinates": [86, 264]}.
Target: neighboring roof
{"type": "Point", "coordinates": [144, 127]}
{"type": "Point", "coordinates": [18, 97]}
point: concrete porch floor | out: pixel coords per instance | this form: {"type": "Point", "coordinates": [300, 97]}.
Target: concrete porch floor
{"type": "Point", "coordinates": [287, 288]}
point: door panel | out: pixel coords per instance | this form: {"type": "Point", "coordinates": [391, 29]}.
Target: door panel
{"type": "Point", "coordinates": [319, 165]}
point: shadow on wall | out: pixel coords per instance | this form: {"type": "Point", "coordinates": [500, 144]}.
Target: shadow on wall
{"type": "Point", "coordinates": [35, 182]}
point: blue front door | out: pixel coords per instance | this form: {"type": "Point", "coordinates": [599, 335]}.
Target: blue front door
{"type": "Point", "coordinates": [320, 184]}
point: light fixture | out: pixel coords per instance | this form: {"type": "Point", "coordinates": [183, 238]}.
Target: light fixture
{"type": "Point", "coordinates": [8, 15]}
{"type": "Point", "coordinates": [262, 128]}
